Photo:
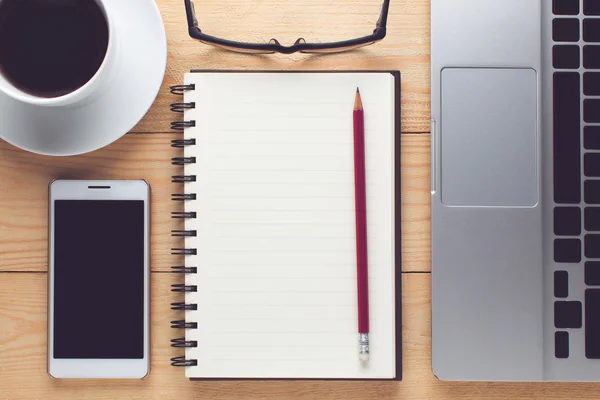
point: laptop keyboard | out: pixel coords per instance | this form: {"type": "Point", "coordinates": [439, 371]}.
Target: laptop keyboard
{"type": "Point", "coordinates": [576, 102]}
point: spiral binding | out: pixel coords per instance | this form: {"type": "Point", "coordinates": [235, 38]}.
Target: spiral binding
{"type": "Point", "coordinates": [177, 233]}
{"type": "Point", "coordinates": [181, 143]}
{"type": "Point", "coordinates": [182, 343]}
{"type": "Point", "coordinates": [182, 362]}
{"type": "Point", "coordinates": [181, 89]}
{"type": "Point", "coordinates": [184, 270]}
{"type": "Point", "coordinates": [183, 178]}
{"type": "Point", "coordinates": [183, 196]}
{"type": "Point", "coordinates": [181, 125]}
{"type": "Point", "coordinates": [183, 215]}
{"type": "Point", "coordinates": [183, 160]}
{"type": "Point", "coordinates": [181, 107]}
{"type": "Point", "coordinates": [183, 307]}
{"type": "Point", "coordinates": [184, 252]}
{"type": "Point", "coordinates": [182, 288]}
{"type": "Point", "coordinates": [183, 324]}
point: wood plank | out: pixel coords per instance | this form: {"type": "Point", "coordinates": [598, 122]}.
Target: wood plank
{"type": "Point", "coordinates": [24, 194]}
{"type": "Point", "coordinates": [406, 46]}
{"type": "Point", "coordinates": [24, 201]}
{"type": "Point", "coordinates": [23, 359]}
{"type": "Point", "coordinates": [416, 203]}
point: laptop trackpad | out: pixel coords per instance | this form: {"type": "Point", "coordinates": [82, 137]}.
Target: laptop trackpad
{"type": "Point", "coordinates": [489, 137]}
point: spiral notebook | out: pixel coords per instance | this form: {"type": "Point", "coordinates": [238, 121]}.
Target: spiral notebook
{"type": "Point", "coordinates": [270, 256]}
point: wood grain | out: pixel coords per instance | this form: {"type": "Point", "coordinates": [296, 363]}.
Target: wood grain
{"type": "Point", "coordinates": [416, 203]}
{"type": "Point", "coordinates": [406, 47]}
{"type": "Point", "coordinates": [23, 359]}
{"type": "Point", "coordinates": [24, 197]}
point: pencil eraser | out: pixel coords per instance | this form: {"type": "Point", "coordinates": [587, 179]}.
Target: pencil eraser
{"type": "Point", "coordinates": [363, 357]}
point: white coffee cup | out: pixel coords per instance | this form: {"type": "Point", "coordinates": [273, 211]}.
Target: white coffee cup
{"type": "Point", "coordinates": [86, 93]}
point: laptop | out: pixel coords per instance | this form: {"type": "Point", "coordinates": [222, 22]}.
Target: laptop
{"type": "Point", "coordinates": [515, 190]}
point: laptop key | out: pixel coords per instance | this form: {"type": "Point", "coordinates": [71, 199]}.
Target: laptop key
{"type": "Point", "coordinates": [565, 57]}
{"type": "Point", "coordinates": [591, 57]}
{"type": "Point", "coordinates": [561, 344]}
{"type": "Point", "coordinates": [591, 137]}
{"type": "Point", "coordinates": [565, 30]}
{"type": "Point", "coordinates": [567, 221]}
{"type": "Point", "coordinates": [591, 7]}
{"type": "Point", "coordinates": [567, 314]}
{"type": "Point", "coordinates": [591, 30]}
{"type": "Point", "coordinates": [591, 110]}
{"type": "Point", "coordinates": [561, 284]}
{"type": "Point", "coordinates": [592, 219]}
{"type": "Point", "coordinates": [592, 273]}
{"type": "Point", "coordinates": [567, 250]}
{"type": "Point", "coordinates": [565, 7]}
{"type": "Point", "coordinates": [592, 192]}
{"type": "Point", "coordinates": [591, 164]}
{"type": "Point", "coordinates": [591, 83]}
{"type": "Point", "coordinates": [592, 323]}
{"type": "Point", "coordinates": [592, 246]}
{"type": "Point", "coordinates": [567, 142]}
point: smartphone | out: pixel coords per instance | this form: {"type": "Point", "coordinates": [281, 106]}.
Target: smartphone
{"type": "Point", "coordinates": [99, 273]}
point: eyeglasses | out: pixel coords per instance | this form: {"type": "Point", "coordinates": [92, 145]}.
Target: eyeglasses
{"type": "Point", "coordinates": [273, 46]}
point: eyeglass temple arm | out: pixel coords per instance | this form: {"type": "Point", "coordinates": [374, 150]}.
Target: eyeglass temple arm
{"type": "Point", "coordinates": [382, 21]}
{"type": "Point", "coordinates": [190, 11]}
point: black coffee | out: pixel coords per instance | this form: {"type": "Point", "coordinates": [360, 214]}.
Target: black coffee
{"type": "Point", "coordinates": [49, 48]}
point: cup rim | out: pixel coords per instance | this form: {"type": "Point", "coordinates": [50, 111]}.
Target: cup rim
{"type": "Point", "coordinates": [22, 96]}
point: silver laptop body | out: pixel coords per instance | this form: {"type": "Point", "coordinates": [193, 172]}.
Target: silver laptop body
{"type": "Point", "coordinates": [515, 233]}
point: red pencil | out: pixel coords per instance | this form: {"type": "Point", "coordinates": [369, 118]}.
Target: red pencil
{"type": "Point", "coordinates": [360, 194]}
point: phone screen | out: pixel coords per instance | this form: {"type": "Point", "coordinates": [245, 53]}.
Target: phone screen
{"type": "Point", "coordinates": [98, 279]}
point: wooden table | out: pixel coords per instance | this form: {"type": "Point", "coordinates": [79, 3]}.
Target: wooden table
{"type": "Point", "coordinates": [145, 153]}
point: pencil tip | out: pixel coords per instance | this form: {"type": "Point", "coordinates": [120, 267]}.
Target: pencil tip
{"type": "Point", "coordinates": [357, 101]}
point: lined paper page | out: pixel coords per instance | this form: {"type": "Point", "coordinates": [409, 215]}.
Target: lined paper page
{"type": "Point", "coordinates": [276, 226]}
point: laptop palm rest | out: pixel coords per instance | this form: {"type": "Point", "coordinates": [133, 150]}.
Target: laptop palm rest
{"type": "Point", "coordinates": [489, 137]}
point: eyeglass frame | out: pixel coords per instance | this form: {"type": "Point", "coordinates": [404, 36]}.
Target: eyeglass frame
{"type": "Point", "coordinates": [299, 46]}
